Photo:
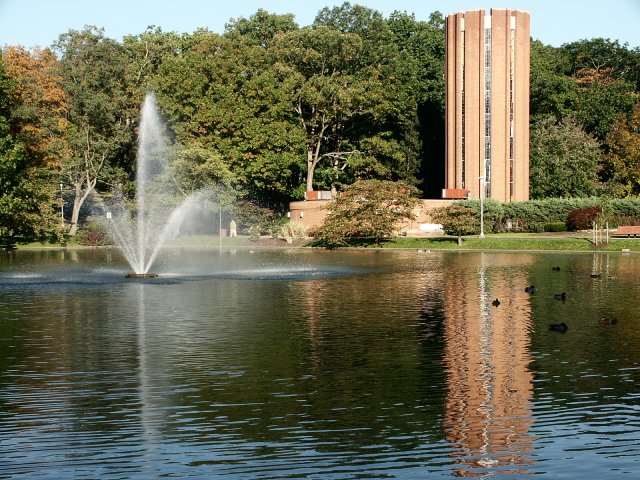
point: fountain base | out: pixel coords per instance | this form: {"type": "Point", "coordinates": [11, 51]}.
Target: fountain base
{"type": "Point", "coordinates": [141, 275]}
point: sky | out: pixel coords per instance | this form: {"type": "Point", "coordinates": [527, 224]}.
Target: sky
{"type": "Point", "coordinates": [553, 22]}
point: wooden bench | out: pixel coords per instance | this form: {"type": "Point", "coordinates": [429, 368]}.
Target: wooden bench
{"type": "Point", "coordinates": [627, 231]}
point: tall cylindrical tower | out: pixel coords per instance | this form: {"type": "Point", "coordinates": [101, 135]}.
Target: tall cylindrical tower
{"type": "Point", "coordinates": [487, 104]}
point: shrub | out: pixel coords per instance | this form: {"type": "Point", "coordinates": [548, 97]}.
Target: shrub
{"type": "Point", "coordinates": [458, 219]}
{"type": "Point", "coordinates": [254, 219]}
{"type": "Point", "coordinates": [583, 218]}
{"type": "Point", "coordinates": [254, 233]}
{"type": "Point", "coordinates": [555, 227]}
{"type": "Point", "coordinates": [289, 230]}
{"type": "Point", "coordinates": [370, 209]}
{"type": "Point", "coordinates": [617, 220]}
{"type": "Point", "coordinates": [93, 235]}
{"type": "Point", "coordinates": [535, 215]}
{"type": "Point", "coordinates": [623, 211]}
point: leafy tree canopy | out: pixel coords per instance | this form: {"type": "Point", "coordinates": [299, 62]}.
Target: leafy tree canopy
{"type": "Point", "coordinates": [93, 70]}
{"type": "Point", "coordinates": [564, 160]}
{"type": "Point", "coordinates": [457, 219]}
{"type": "Point", "coordinates": [371, 209]}
{"type": "Point", "coordinates": [260, 28]}
{"type": "Point", "coordinates": [622, 164]}
{"type": "Point", "coordinates": [26, 210]}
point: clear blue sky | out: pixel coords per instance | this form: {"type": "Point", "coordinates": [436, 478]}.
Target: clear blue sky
{"type": "Point", "coordinates": [554, 22]}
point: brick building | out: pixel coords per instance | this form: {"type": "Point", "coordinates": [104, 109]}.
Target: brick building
{"type": "Point", "coordinates": [487, 105]}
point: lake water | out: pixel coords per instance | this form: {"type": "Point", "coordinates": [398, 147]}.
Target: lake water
{"type": "Point", "coordinates": [319, 365]}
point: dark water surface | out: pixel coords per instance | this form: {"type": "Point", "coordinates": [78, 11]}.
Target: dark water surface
{"type": "Point", "coordinates": [319, 365]}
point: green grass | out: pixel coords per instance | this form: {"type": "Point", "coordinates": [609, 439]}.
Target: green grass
{"type": "Point", "coordinates": [524, 241]}
{"type": "Point", "coordinates": [35, 245]}
{"type": "Point", "coordinates": [505, 242]}
{"type": "Point", "coordinates": [208, 241]}
{"type": "Point", "coordinates": [212, 241]}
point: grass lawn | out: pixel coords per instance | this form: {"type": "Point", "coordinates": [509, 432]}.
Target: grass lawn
{"type": "Point", "coordinates": [501, 241]}
{"type": "Point", "coordinates": [514, 242]}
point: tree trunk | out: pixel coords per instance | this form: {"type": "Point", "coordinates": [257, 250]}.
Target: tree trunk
{"type": "Point", "coordinates": [78, 201]}
{"type": "Point", "coordinates": [311, 167]}
{"type": "Point", "coordinates": [75, 212]}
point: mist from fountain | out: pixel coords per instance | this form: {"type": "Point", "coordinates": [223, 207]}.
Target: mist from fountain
{"type": "Point", "coordinates": [141, 229]}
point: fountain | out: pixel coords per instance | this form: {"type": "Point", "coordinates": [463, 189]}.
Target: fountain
{"type": "Point", "coordinates": [140, 231]}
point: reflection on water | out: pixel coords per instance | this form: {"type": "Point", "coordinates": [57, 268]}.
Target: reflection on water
{"type": "Point", "coordinates": [310, 364]}
{"type": "Point", "coordinates": [487, 354]}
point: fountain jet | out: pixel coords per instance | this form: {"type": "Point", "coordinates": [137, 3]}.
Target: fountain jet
{"type": "Point", "coordinates": [142, 228]}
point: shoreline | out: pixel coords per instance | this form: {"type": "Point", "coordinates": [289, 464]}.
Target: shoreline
{"type": "Point", "coordinates": [543, 242]}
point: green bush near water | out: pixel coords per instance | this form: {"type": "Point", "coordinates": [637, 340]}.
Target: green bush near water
{"type": "Point", "coordinates": [555, 227]}
{"type": "Point", "coordinates": [93, 235]}
{"type": "Point", "coordinates": [533, 216]}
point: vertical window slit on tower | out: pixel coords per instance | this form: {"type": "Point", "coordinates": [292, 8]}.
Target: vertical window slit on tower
{"type": "Point", "coordinates": [463, 166]}
{"type": "Point", "coordinates": [511, 108]}
{"type": "Point", "coordinates": [487, 111]}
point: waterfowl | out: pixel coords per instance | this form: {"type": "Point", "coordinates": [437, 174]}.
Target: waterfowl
{"type": "Point", "coordinates": [555, 269]}
{"type": "Point", "coordinates": [558, 327]}
{"type": "Point", "coordinates": [495, 303]}
{"type": "Point", "coordinates": [560, 296]}
{"type": "Point", "coordinates": [530, 289]}
{"type": "Point", "coordinates": [608, 321]}
{"type": "Point", "coordinates": [595, 275]}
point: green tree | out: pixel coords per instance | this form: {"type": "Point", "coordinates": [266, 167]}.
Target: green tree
{"type": "Point", "coordinates": [260, 28]}
{"type": "Point", "coordinates": [552, 91]}
{"type": "Point", "coordinates": [622, 164]}
{"type": "Point", "coordinates": [423, 44]}
{"type": "Point", "coordinates": [26, 210]}
{"type": "Point", "coordinates": [100, 132]}
{"type": "Point", "coordinates": [343, 105]}
{"type": "Point", "coordinates": [604, 57]}
{"type": "Point", "coordinates": [607, 75]}
{"type": "Point", "coordinates": [145, 54]}
{"type": "Point", "coordinates": [372, 209]}
{"type": "Point", "coordinates": [564, 160]}
{"type": "Point", "coordinates": [226, 96]}
{"type": "Point", "coordinates": [601, 102]}
{"type": "Point", "coordinates": [352, 18]}
{"type": "Point", "coordinates": [457, 219]}
{"type": "Point", "coordinates": [395, 146]}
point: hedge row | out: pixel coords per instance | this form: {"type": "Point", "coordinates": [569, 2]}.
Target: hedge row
{"type": "Point", "coordinates": [537, 215]}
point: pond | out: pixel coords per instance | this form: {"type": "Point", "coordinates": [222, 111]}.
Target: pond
{"type": "Point", "coordinates": [280, 364]}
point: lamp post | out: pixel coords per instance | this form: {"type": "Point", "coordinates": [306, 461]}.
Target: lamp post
{"type": "Point", "coordinates": [481, 178]}
{"type": "Point", "coordinates": [61, 206]}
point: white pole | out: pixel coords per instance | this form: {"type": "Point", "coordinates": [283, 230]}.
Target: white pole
{"type": "Point", "coordinates": [481, 206]}
{"type": "Point", "coordinates": [61, 206]}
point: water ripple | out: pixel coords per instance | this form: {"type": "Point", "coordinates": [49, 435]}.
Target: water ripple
{"type": "Point", "coordinates": [385, 365]}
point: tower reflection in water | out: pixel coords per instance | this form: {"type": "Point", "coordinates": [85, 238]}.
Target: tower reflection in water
{"type": "Point", "coordinates": [487, 353]}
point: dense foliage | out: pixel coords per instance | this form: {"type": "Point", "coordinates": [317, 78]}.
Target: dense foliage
{"type": "Point", "coordinates": [367, 209]}
{"type": "Point", "coordinates": [27, 194]}
{"type": "Point", "coordinates": [463, 218]}
{"type": "Point", "coordinates": [269, 109]}
{"type": "Point", "coordinates": [458, 219]}
{"type": "Point", "coordinates": [563, 160]}
{"type": "Point", "coordinates": [583, 218]}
